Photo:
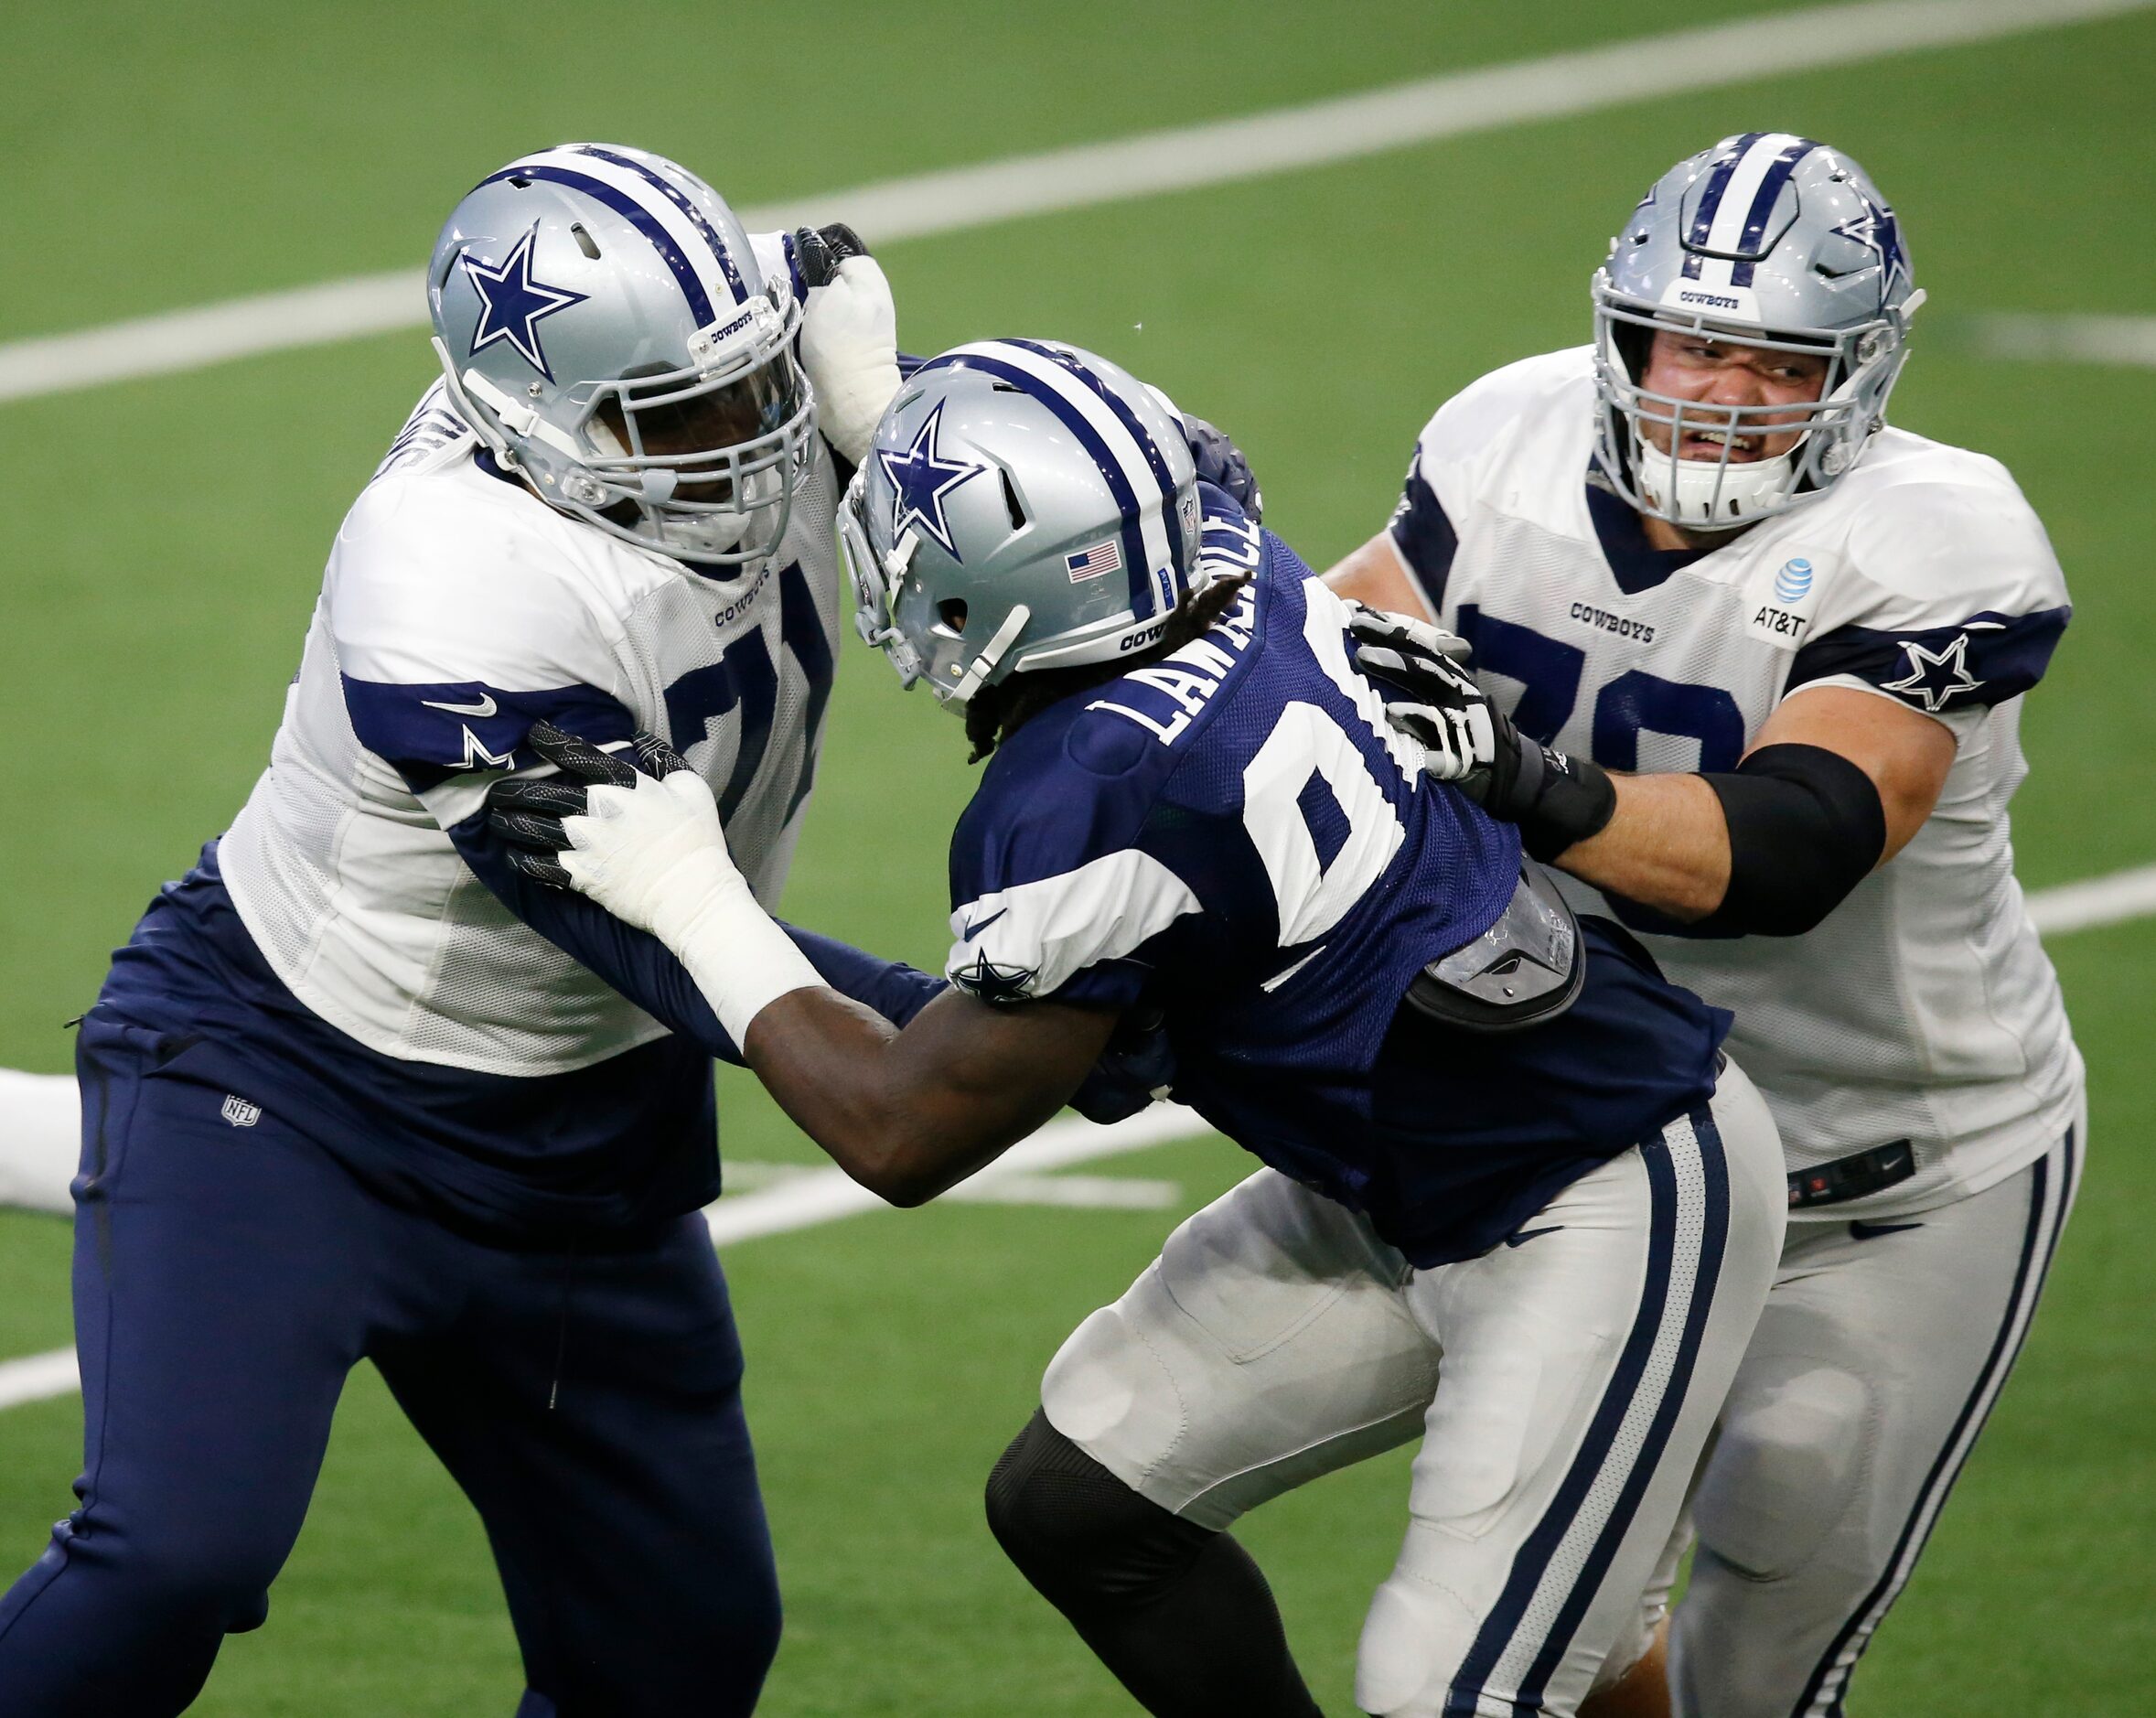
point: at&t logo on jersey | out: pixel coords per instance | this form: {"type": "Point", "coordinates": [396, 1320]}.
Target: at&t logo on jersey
{"type": "Point", "coordinates": [1786, 617]}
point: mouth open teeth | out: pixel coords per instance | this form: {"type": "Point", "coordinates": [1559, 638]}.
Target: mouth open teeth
{"type": "Point", "coordinates": [1737, 445]}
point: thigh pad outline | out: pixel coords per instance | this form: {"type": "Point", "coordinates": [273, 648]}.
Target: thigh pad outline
{"type": "Point", "coordinates": [1795, 1442]}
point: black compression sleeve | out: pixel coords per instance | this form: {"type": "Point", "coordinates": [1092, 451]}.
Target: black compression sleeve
{"type": "Point", "coordinates": [1805, 827]}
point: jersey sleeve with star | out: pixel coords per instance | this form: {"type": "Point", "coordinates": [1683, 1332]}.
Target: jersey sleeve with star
{"type": "Point", "coordinates": [455, 635]}
{"type": "Point", "coordinates": [1053, 894]}
{"type": "Point", "coordinates": [1954, 602]}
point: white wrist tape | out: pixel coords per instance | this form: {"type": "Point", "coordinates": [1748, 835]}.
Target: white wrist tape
{"type": "Point", "coordinates": [735, 952]}
{"type": "Point", "coordinates": [655, 856]}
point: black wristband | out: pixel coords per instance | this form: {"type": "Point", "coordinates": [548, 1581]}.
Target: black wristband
{"type": "Point", "coordinates": [1575, 799]}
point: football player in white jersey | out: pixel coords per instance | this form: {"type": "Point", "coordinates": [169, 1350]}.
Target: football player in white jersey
{"type": "Point", "coordinates": [1754, 663]}
{"type": "Point", "coordinates": [354, 1090]}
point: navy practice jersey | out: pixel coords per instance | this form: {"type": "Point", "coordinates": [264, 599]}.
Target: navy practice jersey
{"type": "Point", "coordinates": [1236, 835]}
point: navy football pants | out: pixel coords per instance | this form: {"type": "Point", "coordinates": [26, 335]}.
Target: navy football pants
{"type": "Point", "coordinates": [227, 1277]}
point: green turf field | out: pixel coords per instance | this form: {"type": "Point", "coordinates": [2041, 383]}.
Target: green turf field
{"type": "Point", "coordinates": [164, 539]}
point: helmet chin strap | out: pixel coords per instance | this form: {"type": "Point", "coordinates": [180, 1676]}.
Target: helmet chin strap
{"type": "Point", "coordinates": [991, 654]}
{"type": "Point", "coordinates": [1711, 495]}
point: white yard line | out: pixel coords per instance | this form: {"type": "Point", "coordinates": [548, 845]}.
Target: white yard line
{"type": "Point", "coordinates": [1187, 157]}
{"type": "Point", "coordinates": [39, 1377]}
{"type": "Point", "coordinates": [822, 1196]}
{"type": "Point", "coordinates": [1075, 1193]}
{"type": "Point", "coordinates": [2074, 340]}
{"type": "Point", "coordinates": [2098, 901]}
{"type": "Point", "coordinates": [1100, 1193]}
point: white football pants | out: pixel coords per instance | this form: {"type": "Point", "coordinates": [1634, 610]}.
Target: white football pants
{"type": "Point", "coordinates": [1880, 1352]}
{"type": "Point", "coordinates": [1564, 1385]}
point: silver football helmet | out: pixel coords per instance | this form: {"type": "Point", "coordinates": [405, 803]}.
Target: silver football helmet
{"type": "Point", "coordinates": [605, 327]}
{"type": "Point", "coordinates": [1767, 239]}
{"type": "Point", "coordinates": [1024, 506]}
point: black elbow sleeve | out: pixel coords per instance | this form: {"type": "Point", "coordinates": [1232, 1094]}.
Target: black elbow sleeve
{"type": "Point", "coordinates": [1805, 827]}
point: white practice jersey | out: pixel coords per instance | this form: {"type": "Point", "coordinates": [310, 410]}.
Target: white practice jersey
{"type": "Point", "coordinates": [1924, 1008]}
{"type": "Point", "coordinates": [457, 610]}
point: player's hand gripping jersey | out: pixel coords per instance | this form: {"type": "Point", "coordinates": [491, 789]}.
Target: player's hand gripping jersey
{"type": "Point", "coordinates": [1921, 1015]}
{"type": "Point", "coordinates": [1236, 836]}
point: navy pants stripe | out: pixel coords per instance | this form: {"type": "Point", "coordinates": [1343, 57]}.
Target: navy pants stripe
{"type": "Point", "coordinates": [227, 1276]}
{"type": "Point", "coordinates": [1706, 1273]}
{"type": "Point", "coordinates": [1683, 1265]}
{"type": "Point", "coordinates": [2051, 1198]}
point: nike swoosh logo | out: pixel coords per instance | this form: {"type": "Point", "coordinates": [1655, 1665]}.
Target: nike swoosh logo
{"type": "Point", "coordinates": [974, 930]}
{"type": "Point", "coordinates": [1525, 1235]}
{"type": "Point", "coordinates": [1871, 1231]}
{"type": "Point", "coordinates": [481, 711]}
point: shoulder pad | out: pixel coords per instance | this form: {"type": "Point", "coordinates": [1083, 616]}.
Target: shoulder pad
{"type": "Point", "coordinates": [1462, 427]}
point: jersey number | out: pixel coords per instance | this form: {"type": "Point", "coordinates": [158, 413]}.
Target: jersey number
{"type": "Point", "coordinates": [1551, 672]}
{"type": "Point", "coordinates": [747, 677]}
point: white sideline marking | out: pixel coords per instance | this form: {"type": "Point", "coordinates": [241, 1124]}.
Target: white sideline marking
{"type": "Point", "coordinates": [823, 1196]}
{"type": "Point", "coordinates": [2082, 339]}
{"type": "Point", "coordinates": [1218, 152]}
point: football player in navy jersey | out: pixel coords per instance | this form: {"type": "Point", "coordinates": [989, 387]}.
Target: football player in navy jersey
{"type": "Point", "coordinates": [355, 1089]}
{"type": "Point", "coordinates": [1515, 1201]}
{"type": "Point", "coordinates": [1757, 661]}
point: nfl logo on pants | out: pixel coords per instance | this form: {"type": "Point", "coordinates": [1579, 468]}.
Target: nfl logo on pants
{"type": "Point", "coordinates": [240, 1112]}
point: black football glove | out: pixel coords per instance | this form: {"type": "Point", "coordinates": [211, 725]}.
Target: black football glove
{"type": "Point", "coordinates": [1444, 708]}
{"type": "Point", "coordinates": [1557, 800]}
{"type": "Point", "coordinates": [526, 811]}
{"type": "Point", "coordinates": [820, 249]}
{"type": "Point", "coordinates": [1221, 463]}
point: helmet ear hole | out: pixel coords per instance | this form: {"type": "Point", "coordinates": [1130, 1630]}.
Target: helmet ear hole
{"type": "Point", "coordinates": [952, 613]}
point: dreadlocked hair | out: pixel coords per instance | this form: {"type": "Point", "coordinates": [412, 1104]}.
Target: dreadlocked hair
{"type": "Point", "coordinates": [997, 711]}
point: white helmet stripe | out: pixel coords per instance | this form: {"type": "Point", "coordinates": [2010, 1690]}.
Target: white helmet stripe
{"type": "Point", "coordinates": [659, 209]}
{"type": "Point", "coordinates": [1138, 472]}
{"type": "Point", "coordinates": [1735, 208]}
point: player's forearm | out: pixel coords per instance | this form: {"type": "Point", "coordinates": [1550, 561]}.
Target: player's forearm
{"type": "Point", "coordinates": [1665, 847]}
{"type": "Point", "coordinates": [898, 1116]}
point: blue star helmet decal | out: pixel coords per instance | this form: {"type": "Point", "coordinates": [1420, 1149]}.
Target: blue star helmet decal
{"type": "Point", "coordinates": [922, 477]}
{"type": "Point", "coordinates": [512, 303]}
{"type": "Point", "coordinates": [1877, 230]}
